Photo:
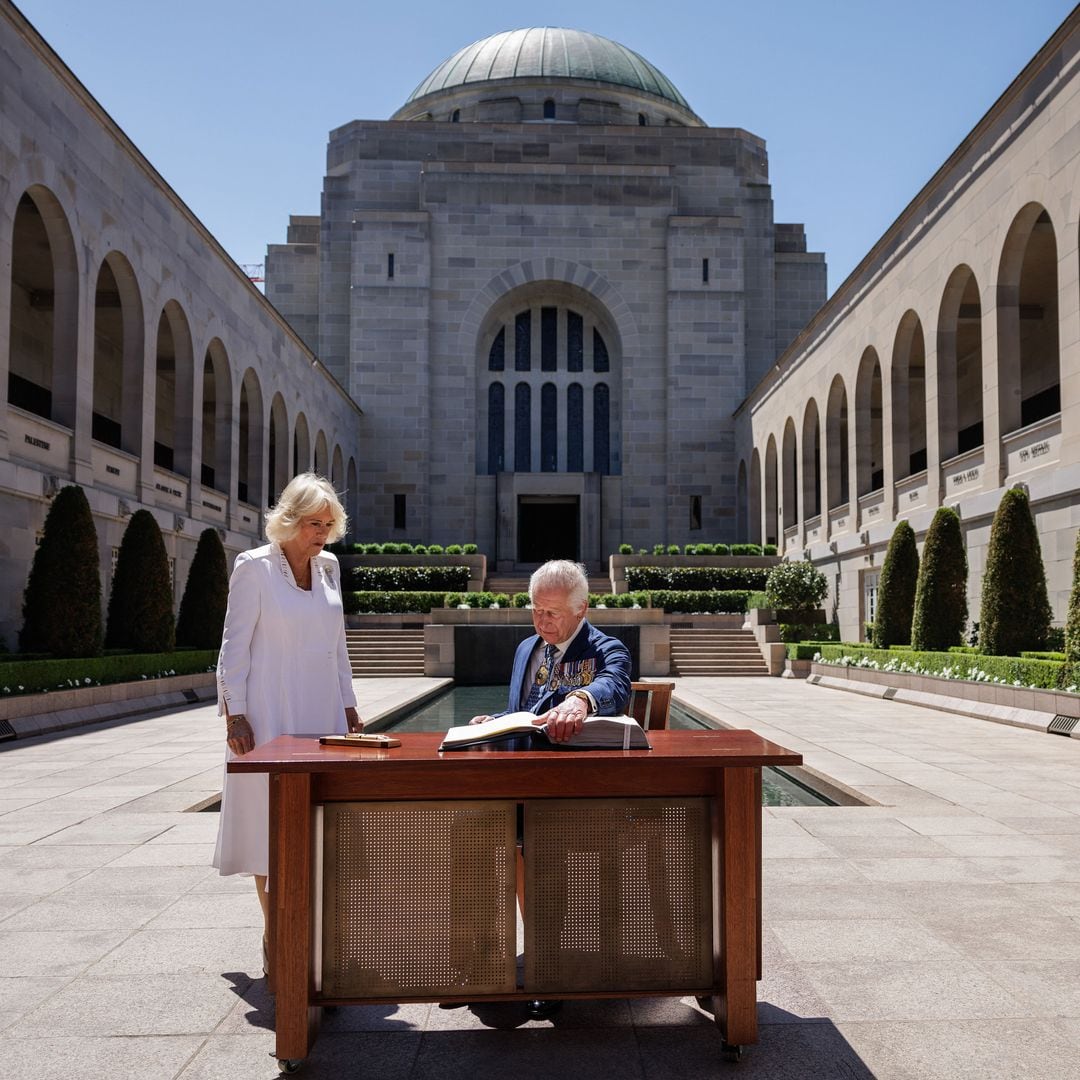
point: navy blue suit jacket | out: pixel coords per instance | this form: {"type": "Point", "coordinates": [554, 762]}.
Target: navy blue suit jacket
{"type": "Point", "coordinates": [594, 662]}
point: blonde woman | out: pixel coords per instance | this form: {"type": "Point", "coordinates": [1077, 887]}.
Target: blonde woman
{"type": "Point", "coordinates": [283, 668]}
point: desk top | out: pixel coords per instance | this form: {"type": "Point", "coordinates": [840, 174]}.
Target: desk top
{"type": "Point", "coordinates": [680, 749]}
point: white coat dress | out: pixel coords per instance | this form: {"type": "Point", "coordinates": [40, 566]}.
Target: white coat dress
{"type": "Point", "coordinates": [283, 664]}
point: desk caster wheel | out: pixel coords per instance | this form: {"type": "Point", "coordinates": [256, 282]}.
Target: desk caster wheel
{"type": "Point", "coordinates": [287, 1066]}
{"type": "Point", "coordinates": [731, 1051]}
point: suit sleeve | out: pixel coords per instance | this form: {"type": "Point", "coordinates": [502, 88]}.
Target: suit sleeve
{"type": "Point", "coordinates": [241, 617]}
{"type": "Point", "coordinates": [611, 687]}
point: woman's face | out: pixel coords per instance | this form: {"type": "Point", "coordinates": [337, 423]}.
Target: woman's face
{"type": "Point", "coordinates": [312, 531]}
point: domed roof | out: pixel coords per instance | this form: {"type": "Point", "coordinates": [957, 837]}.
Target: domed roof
{"type": "Point", "coordinates": [549, 52]}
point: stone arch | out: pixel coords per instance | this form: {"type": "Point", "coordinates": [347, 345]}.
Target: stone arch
{"type": "Point", "coordinates": [322, 457]}
{"type": "Point", "coordinates": [811, 461]}
{"type": "Point", "coordinates": [1029, 358]}
{"type": "Point", "coordinates": [907, 375]}
{"type": "Point", "coordinates": [352, 497]}
{"type": "Point", "coordinates": [959, 365]}
{"type": "Point", "coordinates": [789, 493]}
{"type": "Point", "coordinates": [174, 390]}
{"type": "Point", "coordinates": [117, 394]}
{"type": "Point", "coordinates": [42, 333]}
{"type": "Point", "coordinates": [869, 426]}
{"type": "Point", "coordinates": [249, 479]}
{"type": "Point", "coordinates": [217, 418]}
{"type": "Point", "coordinates": [337, 468]}
{"type": "Point", "coordinates": [277, 450]}
{"type": "Point", "coordinates": [753, 535]}
{"type": "Point", "coordinates": [741, 501]}
{"type": "Point", "coordinates": [837, 463]}
{"type": "Point", "coordinates": [301, 447]}
{"type": "Point", "coordinates": [772, 517]}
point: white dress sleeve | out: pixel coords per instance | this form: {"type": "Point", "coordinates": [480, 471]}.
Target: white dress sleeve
{"type": "Point", "coordinates": [234, 660]}
{"type": "Point", "coordinates": [348, 695]}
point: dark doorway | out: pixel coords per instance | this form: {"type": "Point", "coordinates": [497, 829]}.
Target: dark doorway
{"type": "Point", "coordinates": [548, 527]}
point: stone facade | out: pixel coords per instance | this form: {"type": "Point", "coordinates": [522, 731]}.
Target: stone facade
{"type": "Point", "coordinates": [946, 369]}
{"type": "Point", "coordinates": [577, 220]}
{"type": "Point", "coordinates": [138, 360]}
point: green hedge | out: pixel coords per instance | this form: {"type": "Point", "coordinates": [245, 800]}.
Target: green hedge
{"type": "Point", "coordinates": [408, 578]}
{"type": "Point", "coordinates": [705, 601]}
{"type": "Point", "coordinates": [826, 632]}
{"type": "Point", "coordinates": [1040, 674]}
{"type": "Point", "coordinates": [391, 548]}
{"type": "Point", "coordinates": [391, 603]}
{"type": "Point", "coordinates": [477, 599]}
{"type": "Point", "coordinates": [696, 578]}
{"type": "Point", "coordinates": [21, 676]}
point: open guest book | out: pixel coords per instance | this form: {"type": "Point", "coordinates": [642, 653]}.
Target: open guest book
{"type": "Point", "coordinates": [518, 730]}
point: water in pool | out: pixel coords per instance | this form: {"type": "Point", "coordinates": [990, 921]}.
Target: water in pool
{"type": "Point", "coordinates": [461, 703]}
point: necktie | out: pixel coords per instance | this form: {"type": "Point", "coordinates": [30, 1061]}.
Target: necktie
{"type": "Point", "coordinates": [543, 676]}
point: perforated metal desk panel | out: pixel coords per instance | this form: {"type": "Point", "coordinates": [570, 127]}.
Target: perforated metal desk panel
{"type": "Point", "coordinates": [642, 873]}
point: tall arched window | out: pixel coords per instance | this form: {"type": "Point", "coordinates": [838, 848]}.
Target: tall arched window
{"type": "Point", "coordinates": [601, 429]}
{"type": "Point", "coordinates": [549, 429]}
{"type": "Point", "coordinates": [575, 428]}
{"type": "Point", "coordinates": [497, 353]}
{"type": "Point", "coordinates": [549, 109]}
{"type": "Point", "coordinates": [522, 428]}
{"type": "Point", "coordinates": [496, 428]}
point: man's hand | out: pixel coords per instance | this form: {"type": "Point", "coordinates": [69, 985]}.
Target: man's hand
{"type": "Point", "coordinates": [479, 719]}
{"type": "Point", "coordinates": [352, 719]}
{"type": "Point", "coordinates": [565, 720]}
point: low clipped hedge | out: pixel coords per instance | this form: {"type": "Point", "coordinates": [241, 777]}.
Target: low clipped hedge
{"type": "Point", "coordinates": [22, 676]}
{"type": "Point", "coordinates": [391, 603]}
{"type": "Point", "coordinates": [701, 601]}
{"type": "Point", "coordinates": [392, 548]}
{"type": "Point", "coordinates": [977, 667]}
{"type": "Point", "coordinates": [696, 578]}
{"type": "Point", "coordinates": [477, 600]}
{"type": "Point", "coordinates": [791, 632]}
{"type": "Point", "coordinates": [408, 578]}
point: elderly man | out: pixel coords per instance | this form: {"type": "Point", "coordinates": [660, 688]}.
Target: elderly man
{"type": "Point", "coordinates": [569, 670]}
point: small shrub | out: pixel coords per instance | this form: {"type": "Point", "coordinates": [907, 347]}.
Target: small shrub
{"type": "Point", "coordinates": [642, 551]}
{"type": "Point", "coordinates": [141, 602]}
{"type": "Point", "coordinates": [452, 549]}
{"type": "Point", "coordinates": [625, 549]}
{"type": "Point", "coordinates": [796, 586]}
{"type": "Point", "coordinates": [941, 594]}
{"type": "Point", "coordinates": [419, 549]}
{"type": "Point", "coordinates": [756, 600]}
{"type": "Point", "coordinates": [62, 602]}
{"type": "Point", "coordinates": [659, 549]}
{"type": "Point", "coordinates": [768, 549]}
{"type": "Point", "coordinates": [520, 599]}
{"type": "Point", "coordinates": [673, 549]}
{"type": "Point", "coordinates": [721, 549]}
{"type": "Point", "coordinates": [206, 595]}
{"type": "Point", "coordinates": [435, 549]}
{"type": "Point", "coordinates": [1015, 613]}
{"type": "Point", "coordinates": [469, 549]}
{"type": "Point", "coordinates": [745, 549]}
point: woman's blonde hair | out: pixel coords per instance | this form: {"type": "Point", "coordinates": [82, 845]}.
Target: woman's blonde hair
{"type": "Point", "coordinates": [303, 495]}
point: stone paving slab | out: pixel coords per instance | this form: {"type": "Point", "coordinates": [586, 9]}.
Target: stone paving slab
{"type": "Point", "coordinates": [936, 935]}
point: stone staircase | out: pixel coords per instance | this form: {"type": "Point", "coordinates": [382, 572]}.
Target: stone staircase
{"type": "Point", "coordinates": [720, 651]}
{"type": "Point", "coordinates": [375, 653]}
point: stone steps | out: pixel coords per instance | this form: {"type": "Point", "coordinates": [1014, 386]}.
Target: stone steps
{"type": "Point", "coordinates": [716, 652]}
{"type": "Point", "coordinates": [380, 653]}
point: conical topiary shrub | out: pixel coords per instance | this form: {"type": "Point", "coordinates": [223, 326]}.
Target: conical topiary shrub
{"type": "Point", "coordinates": [62, 603]}
{"type": "Point", "coordinates": [206, 595]}
{"type": "Point", "coordinates": [1015, 611]}
{"type": "Point", "coordinates": [140, 604]}
{"type": "Point", "coordinates": [1072, 624]}
{"type": "Point", "coordinates": [896, 589]}
{"type": "Point", "coordinates": [941, 594]}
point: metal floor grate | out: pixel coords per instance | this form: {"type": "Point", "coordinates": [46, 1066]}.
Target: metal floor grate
{"type": "Point", "coordinates": [1063, 725]}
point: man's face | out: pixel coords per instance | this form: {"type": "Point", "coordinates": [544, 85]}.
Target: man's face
{"type": "Point", "coordinates": [554, 616]}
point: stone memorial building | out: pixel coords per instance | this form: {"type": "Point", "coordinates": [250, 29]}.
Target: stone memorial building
{"type": "Point", "coordinates": [550, 284]}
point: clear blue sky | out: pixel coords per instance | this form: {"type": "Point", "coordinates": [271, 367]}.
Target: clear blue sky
{"type": "Point", "coordinates": [859, 101]}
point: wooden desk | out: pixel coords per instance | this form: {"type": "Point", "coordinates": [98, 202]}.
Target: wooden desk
{"type": "Point", "coordinates": [721, 766]}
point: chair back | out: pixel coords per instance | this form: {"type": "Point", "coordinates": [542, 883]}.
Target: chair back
{"type": "Point", "coordinates": [650, 704]}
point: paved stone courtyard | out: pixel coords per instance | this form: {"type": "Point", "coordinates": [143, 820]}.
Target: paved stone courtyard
{"type": "Point", "coordinates": [935, 936]}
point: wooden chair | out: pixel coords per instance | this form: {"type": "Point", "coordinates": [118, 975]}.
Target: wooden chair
{"type": "Point", "coordinates": [650, 704]}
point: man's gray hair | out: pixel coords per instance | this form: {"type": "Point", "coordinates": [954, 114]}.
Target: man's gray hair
{"type": "Point", "coordinates": [564, 575]}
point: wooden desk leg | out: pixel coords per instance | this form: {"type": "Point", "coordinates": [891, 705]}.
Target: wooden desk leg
{"type": "Point", "coordinates": [736, 858]}
{"type": "Point", "coordinates": [290, 901]}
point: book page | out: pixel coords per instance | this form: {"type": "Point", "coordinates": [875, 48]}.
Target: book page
{"type": "Point", "coordinates": [489, 729]}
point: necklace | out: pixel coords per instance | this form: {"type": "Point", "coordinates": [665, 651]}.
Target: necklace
{"type": "Point", "coordinates": [301, 578]}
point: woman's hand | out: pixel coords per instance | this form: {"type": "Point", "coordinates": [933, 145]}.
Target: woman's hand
{"type": "Point", "coordinates": [238, 734]}
{"type": "Point", "coordinates": [352, 719]}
